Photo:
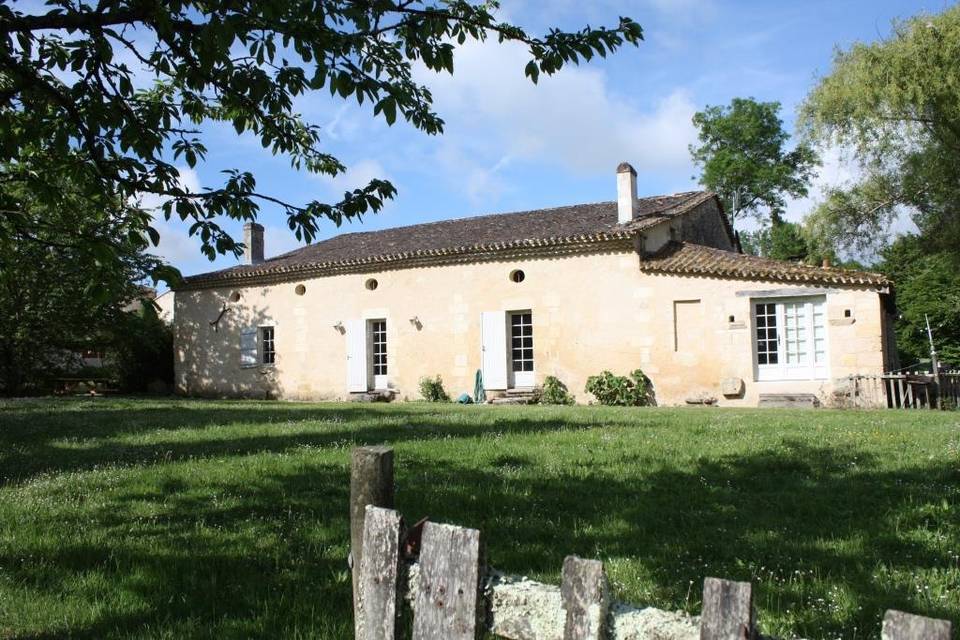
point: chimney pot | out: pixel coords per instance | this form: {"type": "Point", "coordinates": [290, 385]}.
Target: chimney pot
{"type": "Point", "coordinates": [253, 241]}
{"type": "Point", "coordinates": [826, 263]}
{"type": "Point", "coordinates": [626, 193]}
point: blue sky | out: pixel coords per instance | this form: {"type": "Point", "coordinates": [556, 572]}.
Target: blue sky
{"type": "Point", "coordinates": [510, 145]}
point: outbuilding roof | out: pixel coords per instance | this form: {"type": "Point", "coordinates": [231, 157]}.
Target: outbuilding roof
{"type": "Point", "coordinates": [684, 258]}
{"type": "Point", "coordinates": [581, 224]}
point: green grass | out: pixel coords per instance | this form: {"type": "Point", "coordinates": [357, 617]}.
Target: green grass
{"type": "Point", "coordinates": [199, 519]}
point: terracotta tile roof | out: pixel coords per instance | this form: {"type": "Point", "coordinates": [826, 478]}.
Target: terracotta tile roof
{"type": "Point", "coordinates": [481, 235]}
{"type": "Point", "coordinates": [684, 258]}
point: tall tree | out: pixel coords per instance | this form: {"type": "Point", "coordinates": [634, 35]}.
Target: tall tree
{"type": "Point", "coordinates": [744, 158]}
{"type": "Point", "coordinates": [70, 104]}
{"type": "Point", "coordinates": [66, 274]}
{"type": "Point", "coordinates": [928, 286]}
{"type": "Point", "coordinates": [895, 105]}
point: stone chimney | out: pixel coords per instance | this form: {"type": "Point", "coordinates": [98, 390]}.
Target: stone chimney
{"type": "Point", "coordinates": [626, 193]}
{"type": "Point", "coordinates": [253, 239]}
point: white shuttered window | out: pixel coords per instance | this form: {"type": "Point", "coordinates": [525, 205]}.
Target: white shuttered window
{"type": "Point", "coordinates": [248, 347]}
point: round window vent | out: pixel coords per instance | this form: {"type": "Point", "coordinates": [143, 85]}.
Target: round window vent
{"type": "Point", "coordinates": [517, 275]}
{"type": "Point", "coordinates": [371, 284]}
{"type": "Point", "coordinates": [300, 290]}
{"type": "Point", "coordinates": [235, 296]}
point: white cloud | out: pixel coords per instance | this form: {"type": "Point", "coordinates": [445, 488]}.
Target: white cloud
{"type": "Point", "coordinates": [574, 118]}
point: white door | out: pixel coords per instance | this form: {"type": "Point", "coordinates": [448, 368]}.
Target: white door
{"type": "Point", "coordinates": [521, 348]}
{"type": "Point", "coordinates": [356, 356]}
{"type": "Point", "coordinates": [378, 342]}
{"type": "Point", "coordinates": [493, 341]}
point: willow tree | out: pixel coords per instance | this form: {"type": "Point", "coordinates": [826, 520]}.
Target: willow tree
{"type": "Point", "coordinates": [894, 106]}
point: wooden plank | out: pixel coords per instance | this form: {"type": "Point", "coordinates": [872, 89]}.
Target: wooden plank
{"type": "Point", "coordinates": [898, 625]}
{"type": "Point", "coordinates": [585, 599]}
{"type": "Point", "coordinates": [371, 482]}
{"type": "Point", "coordinates": [727, 610]}
{"type": "Point", "coordinates": [519, 608]}
{"type": "Point", "coordinates": [448, 604]}
{"type": "Point", "coordinates": [379, 575]}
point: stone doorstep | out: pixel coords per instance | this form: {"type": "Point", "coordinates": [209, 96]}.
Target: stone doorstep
{"type": "Point", "coordinates": [789, 400]}
{"type": "Point", "coordinates": [386, 395]}
{"type": "Point", "coordinates": [512, 400]}
{"type": "Point", "coordinates": [520, 391]}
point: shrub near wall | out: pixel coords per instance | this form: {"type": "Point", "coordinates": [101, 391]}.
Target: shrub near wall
{"type": "Point", "coordinates": [555, 392]}
{"type": "Point", "coordinates": [634, 390]}
{"type": "Point", "coordinates": [432, 389]}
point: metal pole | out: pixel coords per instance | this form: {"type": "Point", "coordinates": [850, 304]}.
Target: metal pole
{"type": "Point", "coordinates": [934, 363]}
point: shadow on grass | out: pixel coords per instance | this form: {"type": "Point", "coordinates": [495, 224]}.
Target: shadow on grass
{"type": "Point", "coordinates": [33, 443]}
{"type": "Point", "coordinates": [264, 555]}
{"type": "Point", "coordinates": [808, 520]}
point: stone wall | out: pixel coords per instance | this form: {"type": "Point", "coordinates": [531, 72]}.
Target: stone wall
{"type": "Point", "coordinates": [590, 312]}
{"type": "Point", "coordinates": [704, 225]}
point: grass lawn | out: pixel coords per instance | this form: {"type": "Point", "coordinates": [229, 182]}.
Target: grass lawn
{"type": "Point", "coordinates": [205, 519]}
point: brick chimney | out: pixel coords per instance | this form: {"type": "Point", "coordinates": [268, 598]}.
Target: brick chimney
{"type": "Point", "coordinates": [253, 239]}
{"type": "Point", "coordinates": [626, 193]}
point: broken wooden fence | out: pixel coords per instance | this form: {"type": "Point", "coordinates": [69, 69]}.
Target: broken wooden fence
{"type": "Point", "coordinates": [455, 596]}
{"type": "Point", "coordinates": [905, 390]}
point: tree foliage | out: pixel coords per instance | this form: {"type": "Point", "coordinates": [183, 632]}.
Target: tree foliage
{"type": "Point", "coordinates": [744, 158]}
{"type": "Point", "coordinates": [66, 273]}
{"type": "Point", "coordinates": [73, 100]}
{"type": "Point", "coordinates": [895, 105]}
{"type": "Point", "coordinates": [927, 285]}
{"type": "Point", "coordinates": [139, 346]}
{"type": "Point", "coordinates": [780, 240]}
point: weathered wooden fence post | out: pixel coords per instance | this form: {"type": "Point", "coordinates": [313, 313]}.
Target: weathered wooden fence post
{"type": "Point", "coordinates": [449, 602]}
{"type": "Point", "coordinates": [371, 482]}
{"type": "Point", "coordinates": [585, 599]}
{"type": "Point", "coordinates": [898, 625]}
{"type": "Point", "coordinates": [727, 610]}
{"type": "Point", "coordinates": [380, 575]}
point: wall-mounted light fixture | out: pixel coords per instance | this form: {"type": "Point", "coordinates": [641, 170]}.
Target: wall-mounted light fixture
{"type": "Point", "coordinates": [415, 321]}
{"type": "Point", "coordinates": [339, 327]}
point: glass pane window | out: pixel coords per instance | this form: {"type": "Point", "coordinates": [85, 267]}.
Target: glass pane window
{"type": "Point", "coordinates": [819, 334]}
{"type": "Point", "coordinates": [267, 347]}
{"type": "Point", "coordinates": [795, 330]}
{"type": "Point", "coordinates": [521, 341]}
{"type": "Point", "coordinates": [379, 330]}
{"type": "Point", "coordinates": [791, 339]}
{"type": "Point", "coordinates": [767, 337]}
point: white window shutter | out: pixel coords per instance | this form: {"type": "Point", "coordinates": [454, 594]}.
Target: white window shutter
{"type": "Point", "coordinates": [356, 356]}
{"type": "Point", "coordinates": [493, 337]}
{"type": "Point", "coordinates": [248, 346]}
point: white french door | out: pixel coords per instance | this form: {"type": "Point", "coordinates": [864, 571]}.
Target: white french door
{"type": "Point", "coordinates": [790, 339]}
{"type": "Point", "coordinates": [521, 348]}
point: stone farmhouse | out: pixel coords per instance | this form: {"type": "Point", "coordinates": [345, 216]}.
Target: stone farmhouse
{"type": "Point", "coordinates": [656, 283]}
